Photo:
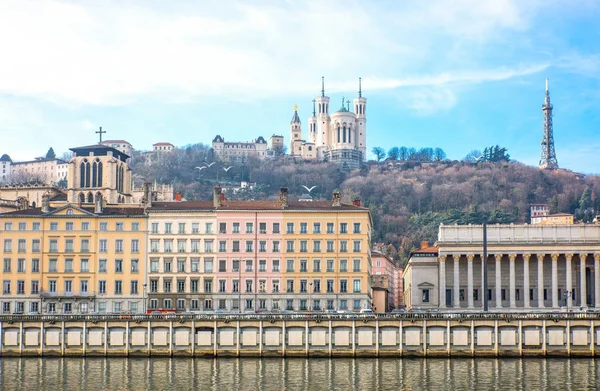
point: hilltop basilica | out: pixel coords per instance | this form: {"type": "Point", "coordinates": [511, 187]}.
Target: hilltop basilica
{"type": "Point", "coordinates": [340, 137]}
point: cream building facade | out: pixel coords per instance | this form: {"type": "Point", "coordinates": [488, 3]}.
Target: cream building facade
{"type": "Point", "coordinates": [182, 265]}
{"type": "Point", "coordinates": [47, 171]}
{"type": "Point", "coordinates": [530, 267]}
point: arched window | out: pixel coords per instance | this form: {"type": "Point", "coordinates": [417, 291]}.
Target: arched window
{"type": "Point", "coordinates": [90, 198]}
{"type": "Point", "coordinates": [338, 139]}
{"type": "Point", "coordinates": [84, 174]}
{"type": "Point", "coordinates": [349, 134]}
{"type": "Point", "coordinates": [344, 133]}
{"type": "Point", "coordinates": [97, 173]}
{"type": "Point", "coordinates": [81, 198]}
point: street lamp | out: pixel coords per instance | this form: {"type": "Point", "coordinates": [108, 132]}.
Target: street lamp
{"type": "Point", "coordinates": [310, 297]}
{"type": "Point", "coordinates": [144, 298]}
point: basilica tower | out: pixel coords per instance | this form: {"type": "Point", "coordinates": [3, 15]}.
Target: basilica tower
{"type": "Point", "coordinates": [295, 133]}
{"type": "Point", "coordinates": [322, 135]}
{"type": "Point", "coordinates": [360, 109]}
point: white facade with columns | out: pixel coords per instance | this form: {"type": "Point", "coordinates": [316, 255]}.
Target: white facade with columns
{"type": "Point", "coordinates": [529, 267]}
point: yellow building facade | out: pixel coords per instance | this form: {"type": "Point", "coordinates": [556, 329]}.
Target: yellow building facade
{"type": "Point", "coordinates": [63, 258]}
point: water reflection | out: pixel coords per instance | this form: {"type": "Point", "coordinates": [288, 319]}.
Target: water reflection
{"type": "Point", "coordinates": [297, 374]}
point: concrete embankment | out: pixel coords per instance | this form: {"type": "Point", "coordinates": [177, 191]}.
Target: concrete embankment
{"type": "Point", "coordinates": [426, 335]}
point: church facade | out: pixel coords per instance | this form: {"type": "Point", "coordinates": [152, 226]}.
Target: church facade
{"type": "Point", "coordinates": [340, 137]}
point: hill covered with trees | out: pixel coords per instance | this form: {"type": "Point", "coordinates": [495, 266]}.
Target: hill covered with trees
{"type": "Point", "coordinates": [408, 198]}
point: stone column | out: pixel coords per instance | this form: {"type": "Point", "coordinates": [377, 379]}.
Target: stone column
{"type": "Point", "coordinates": [456, 281]}
{"type": "Point", "coordinates": [512, 282]}
{"type": "Point", "coordinates": [470, 279]}
{"type": "Point", "coordinates": [498, 271]}
{"type": "Point", "coordinates": [569, 285]}
{"type": "Point", "coordinates": [526, 301]}
{"type": "Point", "coordinates": [540, 279]}
{"type": "Point", "coordinates": [554, 280]}
{"type": "Point", "coordinates": [442, 260]}
{"type": "Point", "coordinates": [597, 280]}
{"type": "Point", "coordinates": [583, 293]}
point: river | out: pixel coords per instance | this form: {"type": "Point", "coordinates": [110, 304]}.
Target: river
{"type": "Point", "coordinates": [71, 374]}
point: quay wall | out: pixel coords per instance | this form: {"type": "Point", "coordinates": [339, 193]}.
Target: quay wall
{"type": "Point", "coordinates": [422, 335]}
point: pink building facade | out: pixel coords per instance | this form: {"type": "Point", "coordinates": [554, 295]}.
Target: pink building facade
{"type": "Point", "coordinates": [249, 260]}
{"type": "Point", "coordinates": [384, 268]}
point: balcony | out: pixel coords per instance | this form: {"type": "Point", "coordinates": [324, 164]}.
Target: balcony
{"type": "Point", "coordinates": [66, 294]}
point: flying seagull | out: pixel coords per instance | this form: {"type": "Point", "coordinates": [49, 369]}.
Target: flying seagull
{"type": "Point", "coordinates": [209, 165]}
{"type": "Point", "coordinates": [227, 168]}
{"type": "Point", "coordinates": [200, 168]}
{"type": "Point", "coordinates": [309, 189]}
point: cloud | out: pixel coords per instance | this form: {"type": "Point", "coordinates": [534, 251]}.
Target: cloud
{"type": "Point", "coordinates": [110, 53]}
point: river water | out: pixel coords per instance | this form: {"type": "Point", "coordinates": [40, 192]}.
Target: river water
{"type": "Point", "coordinates": [57, 374]}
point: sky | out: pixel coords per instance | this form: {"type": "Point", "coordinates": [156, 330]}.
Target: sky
{"type": "Point", "coordinates": [454, 74]}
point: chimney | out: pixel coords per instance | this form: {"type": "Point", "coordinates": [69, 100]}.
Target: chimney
{"type": "Point", "coordinates": [217, 196]}
{"type": "Point", "coordinates": [283, 197]}
{"type": "Point", "coordinates": [98, 207]}
{"type": "Point", "coordinates": [356, 201]}
{"type": "Point", "coordinates": [46, 203]}
{"type": "Point", "coordinates": [336, 198]}
{"type": "Point", "coordinates": [424, 245]}
{"type": "Point", "coordinates": [223, 198]}
{"type": "Point", "coordinates": [147, 199]}
{"type": "Point", "coordinates": [178, 196]}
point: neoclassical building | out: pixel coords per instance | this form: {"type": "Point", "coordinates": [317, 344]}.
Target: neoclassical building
{"type": "Point", "coordinates": [340, 137]}
{"type": "Point", "coordinates": [529, 267]}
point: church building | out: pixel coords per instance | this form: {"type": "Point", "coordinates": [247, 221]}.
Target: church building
{"type": "Point", "coordinates": [340, 137]}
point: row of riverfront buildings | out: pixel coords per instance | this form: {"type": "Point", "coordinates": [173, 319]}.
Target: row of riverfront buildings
{"type": "Point", "coordinates": [97, 248]}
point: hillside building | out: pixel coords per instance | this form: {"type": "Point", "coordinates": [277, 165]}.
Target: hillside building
{"type": "Point", "coordinates": [121, 145]}
{"type": "Point", "coordinates": [47, 171]}
{"type": "Point", "coordinates": [340, 137]}
{"type": "Point", "coordinates": [162, 147]}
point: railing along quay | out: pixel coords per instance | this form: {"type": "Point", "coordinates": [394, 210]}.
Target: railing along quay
{"type": "Point", "coordinates": [308, 316]}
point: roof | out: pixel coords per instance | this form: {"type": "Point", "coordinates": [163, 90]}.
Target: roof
{"type": "Point", "coordinates": [560, 215]}
{"type": "Point", "coordinates": [99, 150]}
{"type": "Point", "coordinates": [260, 140]}
{"type": "Point", "coordinates": [251, 205]}
{"type": "Point", "coordinates": [161, 144]}
{"type": "Point", "coordinates": [5, 158]}
{"type": "Point", "coordinates": [115, 142]}
{"type": "Point", "coordinates": [295, 118]}
{"type": "Point", "coordinates": [218, 139]}
{"type": "Point", "coordinates": [106, 211]}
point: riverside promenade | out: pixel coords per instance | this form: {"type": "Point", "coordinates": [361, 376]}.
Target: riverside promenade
{"type": "Point", "coordinates": [304, 335]}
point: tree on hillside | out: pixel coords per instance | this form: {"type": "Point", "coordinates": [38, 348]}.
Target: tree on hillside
{"type": "Point", "coordinates": [393, 153]}
{"type": "Point", "coordinates": [403, 153]}
{"type": "Point", "coordinates": [379, 153]}
{"type": "Point", "coordinates": [439, 154]}
{"type": "Point", "coordinates": [495, 154]}
{"type": "Point", "coordinates": [67, 156]}
{"type": "Point", "coordinates": [473, 157]}
{"type": "Point", "coordinates": [50, 154]}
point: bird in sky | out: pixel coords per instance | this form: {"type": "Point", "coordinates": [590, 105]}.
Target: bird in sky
{"type": "Point", "coordinates": [209, 165]}
{"type": "Point", "coordinates": [227, 168]}
{"type": "Point", "coordinates": [309, 189]}
{"type": "Point", "coordinates": [200, 168]}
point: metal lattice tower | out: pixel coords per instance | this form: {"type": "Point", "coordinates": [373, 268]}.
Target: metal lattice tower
{"type": "Point", "coordinates": [548, 158]}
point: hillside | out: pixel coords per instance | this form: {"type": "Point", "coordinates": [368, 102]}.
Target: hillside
{"type": "Point", "coordinates": [408, 199]}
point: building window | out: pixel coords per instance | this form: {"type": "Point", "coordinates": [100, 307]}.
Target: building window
{"type": "Point", "coordinates": [303, 228]}
{"type": "Point", "coordinates": [330, 246]}
{"type": "Point", "coordinates": [168, 228]}
{"type": "Point", "coordinates": [118, 266]}
{"type": "Point", "coordinates": [330, 284]}
{"type": "Point", "coordinates": [303, 265]}
{"type": "Point", "coordinates": [290, 228]}
{"type": "Point", "coordinates": [103, 226]}
{"type": "Point", "coordinates": [316, 228]}
{"type": "Point", "coordinates": [236, 228]}
{"type": "Point", "coordinates": [356, 286]}
{"type": "Point", "coordinates": [356, 228]}
{"type": "Point", "coordinates": [68, 265]}
{"type": "Point", "coordinates": [343, 246]}
{"type": "Point", "coordinates": [119, 245]}
{"type": "Point", "coordinates": [118, 287]}
{"type": "Point", "coordinates": [290, 246]}
{"type": "Point", "coordinates": [249, 247]}
{"type": "Point", "coordinates": [343, 286]}
{"type": "Point", "coordinates": [276, 265]}
{"type": "Point", "coordinates": [330, 228]}
{"type": "Point", "coordinates": [135, 246]}
{"type": "Point", "coordinates": [53, 266]}
{"type": "Point", "coordinates": [135, 227]}
{"type": "Point", "coordinates": [330, 267]}
{"type": "Point", "coordinates": [154, 228]}
{"type": "Point", "coordinates": [343, 265]}
{"type": "Point", "coordinates": [425, 296]}
{"type": "Point", "coordinates": [235, 246]}
{"type": "Point", "coordinates": [356, 246]}
{"type": "Point", "coordinates": [276, 228]}
{"type": "Point", "coordinates": [35, 265]}
{"type": "Point", "coordinates": [85, 268]}
{"type": "Point", "coordinates": [276, 246]}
